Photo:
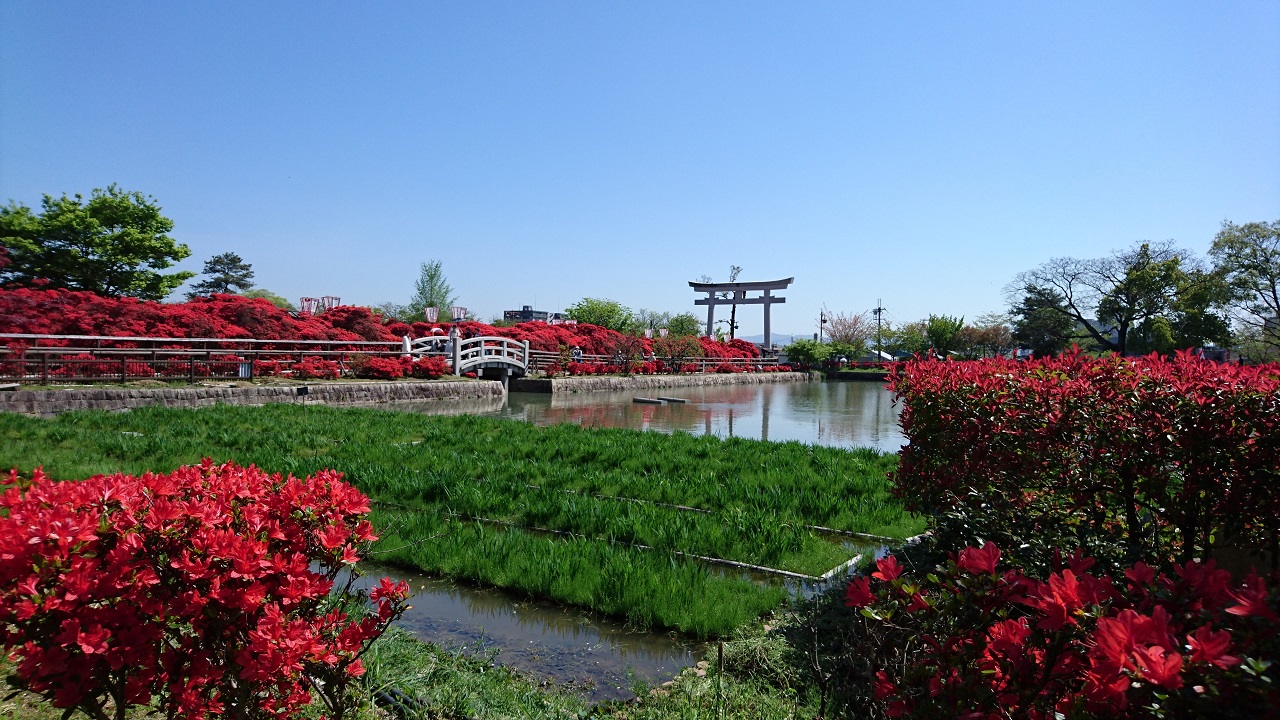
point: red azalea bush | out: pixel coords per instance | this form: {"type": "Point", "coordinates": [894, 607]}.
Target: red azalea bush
{"type": "Point", "coordinates": [729, 349]}
{"type": "Point", "coordinates": [1178, 454]}
{"type": "Point", "coordinates": [380, 368]}
{"type": "Point", "coordinates": [430, 368]}
{"type": "Point", "coordinates": [206, 591]}
{"type": "Point", "coordinates": [71, 312]}
{"type": "Point", "coordinates": [977, 641]}
{"type": "Point", "coordinates": [313, 367]}
{"type": "Point", "coordinates": [269, 368]}
{"type": "Point", "coordinates": [84, 365]}
{"type": "Point", "coordinates": [729, 368]}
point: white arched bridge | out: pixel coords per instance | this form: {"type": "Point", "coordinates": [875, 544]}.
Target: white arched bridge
{"type": "Point", "coordinates": [492, 357]}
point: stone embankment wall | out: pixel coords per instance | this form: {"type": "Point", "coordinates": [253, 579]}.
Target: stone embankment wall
{"type": "Point", "coordinates": [51, 402]}
{"type": "Point", "coordinates": [599, 383]}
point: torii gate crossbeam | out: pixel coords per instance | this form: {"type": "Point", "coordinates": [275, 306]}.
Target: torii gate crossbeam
{"type": "Point", "coordinates": [737, 295]}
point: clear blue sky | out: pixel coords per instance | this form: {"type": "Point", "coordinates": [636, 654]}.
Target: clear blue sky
{"type": "Point", "coordinates": [923, 153]}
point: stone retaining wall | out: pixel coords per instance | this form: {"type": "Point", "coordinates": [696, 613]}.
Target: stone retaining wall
{"type": "Point", "coordinates": [46, 403]}
{"type": "Point", "coordinates": [599, 383]}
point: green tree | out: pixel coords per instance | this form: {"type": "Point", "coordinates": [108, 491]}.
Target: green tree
{"type": "Point", "coordinates": [943, 332]}
{"type": "Point", "coordinates": [272, 298]}
{"type": "Point", "coordinates": [114, 245]}
{"type": "Point", "coordinates": [601, 312]}
{"type": "Point", "coordinates": [1248, 257]}
{"type": "Point", "coordinates": [908, 338]}
{"type": "Point", "coordinates": [228, 273]}
{"type": "Point", "coordinates": [1111, 298]}
{"type": "Point", "coordinates": [807, 352]}
{"type": "Point", "coordinates": [1041, 322]}
{"type": "Point", "coordinates": [684, 324]}
{"type": "Point", "coordinates": [1198, 314]}
{"type": "Point", "coordinates": [432, 289]}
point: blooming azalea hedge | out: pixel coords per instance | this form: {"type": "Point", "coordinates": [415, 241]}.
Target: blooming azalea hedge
{"type": "Point", "coordinates": [70, 312]}
{"type": "Point", "coordinates": [975, 640]}
{"type": "Point", "coordinates": [1179, 456]}
{"type": "Point", "coordinates": [206, 591]}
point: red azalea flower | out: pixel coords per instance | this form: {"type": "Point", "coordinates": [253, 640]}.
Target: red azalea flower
{"type": "Point", "coordinates": [1253, 600]}
{"type": "Point", "coordinates": [1140, 575]}
{"type": "Point", "coordinates": [1160, 668]}
{"type": "Point", "coordinates": [1211, 647]}
{"type": "Point", "coordinates": [889, 569]}
{"type": "Point", "coordinates": [859, 594]}
{"type": "Point", "coordinates": [980, 561]}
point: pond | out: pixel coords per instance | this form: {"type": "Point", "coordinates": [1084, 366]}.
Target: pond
{"type": "Point", "coordinates": [600, 656]}
{"type": "Point", "coordinates": [836, 414]}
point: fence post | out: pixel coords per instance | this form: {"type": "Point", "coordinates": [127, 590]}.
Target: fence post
{"type": "Point", "coordinates": [44, 368]}
{"type": "Point", "coordinates": [457, 357]}
{"type": "Point", "coordinates": [525, 360]}
{"type": "Point", "coordinates": [191, 369]}
{"type": "Point", "coordinates": [124, 368]}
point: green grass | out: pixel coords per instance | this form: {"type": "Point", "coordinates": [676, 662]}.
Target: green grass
{"type": "Point", "coordinates": [760, 496]}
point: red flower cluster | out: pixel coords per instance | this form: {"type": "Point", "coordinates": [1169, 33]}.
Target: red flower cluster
{"type": "Point", "coordinates": [729, 349]}
{"type": "Point", "coordinates": [70, 312]}
{"type": "Point", "coordinates": [577, 368]}
{"type": "Point", "coordinates": [206, 591]}
{"type": "Point", "coordinates": [394, 368]}
{"type": "Point", "coordinates": [313, 367]}
{"type": "Point", "coordinates": [997, 645]}
{"type": "Point", "coordinates": [1183, 450]}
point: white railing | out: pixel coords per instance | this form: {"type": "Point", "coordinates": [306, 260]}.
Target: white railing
{"type": "Point", "coordinates": [490, 351]}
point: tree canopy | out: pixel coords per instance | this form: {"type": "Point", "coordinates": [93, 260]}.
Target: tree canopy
{"type": "Point", "coordinates": [1041, 321]}
{"type": "Point", "coordinates": [228, 273]}
{"type": "Point", "coordinates": [1129, 301]}
{"type": "Point", "coordinates": [270, 297]}
{"type": "Point", "coordinates": [684, 324]}
{"type": "Point", "coordinates": [1248, 256]}
{"type": "Point", "coordinates": [943, 332]}
{"type": "Point", "coordinates": [431, 289]}
{"type": "Point", "coordinates": [601, 312]}
{"type": "Point", "coordinates": [113, 245]}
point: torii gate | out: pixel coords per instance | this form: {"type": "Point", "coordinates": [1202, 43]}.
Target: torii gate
{"type": "Point", "coordinates": [737, 292]}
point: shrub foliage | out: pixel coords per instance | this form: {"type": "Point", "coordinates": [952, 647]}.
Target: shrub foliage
{"type": "Point", "coordinates": [206, 591]}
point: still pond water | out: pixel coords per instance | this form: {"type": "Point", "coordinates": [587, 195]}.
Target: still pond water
{"type": "Point", "coordinates": [603, 657]}
{"type": "Point", "coordinates": [836, 414]}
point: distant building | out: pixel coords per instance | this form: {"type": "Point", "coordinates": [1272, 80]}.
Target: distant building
{"type": "Point", "coordinates": [528, 314]}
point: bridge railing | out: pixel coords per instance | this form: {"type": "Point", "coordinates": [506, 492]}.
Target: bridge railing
{"type": "Point", "coordinates": [485, 350]}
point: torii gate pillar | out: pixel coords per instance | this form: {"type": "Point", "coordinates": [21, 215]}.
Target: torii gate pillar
{"type": "Point", "coordinates": [737, 295]}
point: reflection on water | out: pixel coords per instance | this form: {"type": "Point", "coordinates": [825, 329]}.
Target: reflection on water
{"type": "Point", "coordinates": [541, 639]}
{"type": "Point", "coordinates": [839, 414]}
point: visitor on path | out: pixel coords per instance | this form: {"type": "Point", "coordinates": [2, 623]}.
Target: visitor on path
{"type": "Point", "coordinates": [576, 354]}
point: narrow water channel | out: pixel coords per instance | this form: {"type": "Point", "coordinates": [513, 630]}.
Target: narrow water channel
{"type": "Point", "coordinates": [601, 657]}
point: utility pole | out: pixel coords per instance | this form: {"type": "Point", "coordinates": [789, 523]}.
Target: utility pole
{"type": "Point", "coordinates": [822, 322]}
{"type": "Point", "coordinates": [878, 311]}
